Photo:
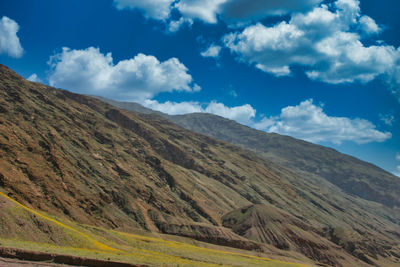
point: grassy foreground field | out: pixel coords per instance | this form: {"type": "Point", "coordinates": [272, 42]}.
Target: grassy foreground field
{"type": "Point", "coordinates": [24, 228]}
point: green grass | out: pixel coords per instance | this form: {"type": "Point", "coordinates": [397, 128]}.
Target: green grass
{"type": "Point", "coordinates": [93, 242]}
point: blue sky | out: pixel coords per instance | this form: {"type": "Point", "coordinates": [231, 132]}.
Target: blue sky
{"type": "Point", "coordinates": [323, 71]}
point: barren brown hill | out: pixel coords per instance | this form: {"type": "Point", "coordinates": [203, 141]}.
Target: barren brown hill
{"type": "Point", "coordinates": [352, 175]}
{"type": "Point", "coordinates": [79, 158]}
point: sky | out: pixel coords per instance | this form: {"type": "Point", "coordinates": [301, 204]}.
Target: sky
{"type": "Point", "coordinates": [324, 71]}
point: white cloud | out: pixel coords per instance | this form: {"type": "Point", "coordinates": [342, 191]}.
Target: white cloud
{"type": "Point", "coordinates": [308, 121]}
{"type": "Point", "coordinates": [242, 114]}
{"type": "Point", "coordinates": [89, 71]}
{"type": "Point", "coordinates": [264, 124]}
{"type": "Point", "coordinates": [369, 26]}
{"type": "Point", "coordinates": [9, 41]}
{"type": "Point", "coordinates": [173, 108]}
{"type": "Point", "coordinates": [209, 11]}
{"type": "Point", "coordinates": [323, 41]}
{"type": "Point", "coordinates": [155, 9]}
{"type": "Point", "coordinates": [305, 121]}
{"type": "Point", "coordinates": [34, 78]}
{"type": "Point", "coordinates": [205, 10]}
{"type": "Point", "coordinates": [212, 51]}
{"type": "Point", "coordinates": [176, 25]}
{"type": "Point", "coordinates": [240, 11]}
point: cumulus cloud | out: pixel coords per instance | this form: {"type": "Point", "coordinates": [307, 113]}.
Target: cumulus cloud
{"type": "Point", "coordinates": [34, 78]}
{"type": "Point", "coordinates": [369, 26]}
{"type": "Point", "coordinates": [209, 11]}
{"type": "Point", "coordinates": [325, 38]}
{"type": "Point", "coordinates": [322, 41]}
{"type": "Point", "coordinates": [212, 51]}
{"type": "Point", "coordinates": [9, 41]}
{"type": "Point", "coordinates": [308, 121]}
{"type": "Point", "coordinates": [205, 10]}
{"type": "Point", "coordinates": [173, 108]}
{"type": "Point", "coordinates": [89, 71]}
{"type": "Point", "coordinates": [155, 9]}
{"type": "Point", "coordinates": [305, 121]}
{"type": "Point", "coordinates": [241, 11]}
{"type": "Point", "coordinates": [326, 41]}
{"type": "Point", "coordinates": [243, 114]}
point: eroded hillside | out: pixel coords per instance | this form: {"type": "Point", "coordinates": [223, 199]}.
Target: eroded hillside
{"type": "Point", "coordinates": [76, 157]}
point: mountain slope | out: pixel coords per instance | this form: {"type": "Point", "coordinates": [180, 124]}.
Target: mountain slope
{"type": "Point", "coordinates": [49, 235]}
{"type": "Point", "coordinates": [268, 224]}
{"type": "Point", "coordinates": [352, 175]}
{"type": "Point", "coordinates": [78, 158]}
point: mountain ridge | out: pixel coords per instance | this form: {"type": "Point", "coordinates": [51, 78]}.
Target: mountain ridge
{"type": "Point", "coordinates": [289, 152]}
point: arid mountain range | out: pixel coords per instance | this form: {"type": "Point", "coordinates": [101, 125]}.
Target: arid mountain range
{"type": "Point", "coordinates": [348, 173]}
{"type": "Point", "coordinates": [197, 175]}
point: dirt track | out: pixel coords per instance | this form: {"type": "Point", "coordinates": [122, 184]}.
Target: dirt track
{"type": "Point", "coordinates": [12, 257]}
{"type": "Point", "coordinates": [5, 262]}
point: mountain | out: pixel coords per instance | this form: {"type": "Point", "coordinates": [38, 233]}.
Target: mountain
{"type": "Point", "coordinates": [268, 224]}
{"type": "Point", "coordinates": [132, 106]}
{"type": "Point", "coordinates": [64, 242]}
{"type": "Point", "coordinates": [352, 175]}
{"type": "Point", "coordinates": [80, 159]}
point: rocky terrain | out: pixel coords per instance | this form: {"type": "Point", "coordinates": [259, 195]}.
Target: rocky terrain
{"type": "Point", "coordinates": [352, 175]}
{"type": "Point", "coordinates": [79, 158]}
